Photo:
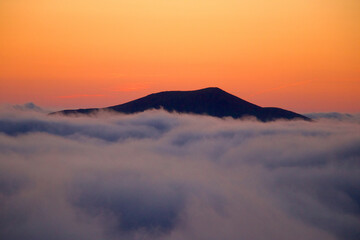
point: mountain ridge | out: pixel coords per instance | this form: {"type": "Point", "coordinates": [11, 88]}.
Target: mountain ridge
{"type": "Point", "coordinates": [211, 101]}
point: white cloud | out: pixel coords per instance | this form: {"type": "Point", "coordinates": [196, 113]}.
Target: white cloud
{"type": "Point", "coordinates": [157, 175]}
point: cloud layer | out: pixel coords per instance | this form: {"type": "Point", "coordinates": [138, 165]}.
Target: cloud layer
{"type": "Point", "coordinates": [157, 175]}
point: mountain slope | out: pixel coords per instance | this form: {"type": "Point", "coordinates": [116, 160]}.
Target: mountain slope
{"type": "Point", "coordinates": [209, 101]}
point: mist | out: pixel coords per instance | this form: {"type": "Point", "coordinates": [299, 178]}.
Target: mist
{"type": "Point", "coordinates": [156, 175]}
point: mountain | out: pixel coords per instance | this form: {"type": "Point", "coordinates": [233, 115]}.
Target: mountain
{"type": "Point", "coordinates": [208, 101]}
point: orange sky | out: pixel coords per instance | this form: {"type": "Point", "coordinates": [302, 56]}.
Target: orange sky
{"type": "Point", "coordinates": [302, 55]}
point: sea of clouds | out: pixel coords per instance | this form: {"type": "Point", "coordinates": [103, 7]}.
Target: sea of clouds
{"type": "Point", "coordinates": [157, 175]}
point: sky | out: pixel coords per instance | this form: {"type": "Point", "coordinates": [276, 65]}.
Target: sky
{"type": "Point", "coordinates": [302, 55]}
{"type": "Point", "coordinates": [156, 175]}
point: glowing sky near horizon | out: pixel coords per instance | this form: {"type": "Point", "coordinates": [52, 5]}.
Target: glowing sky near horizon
{"type": "Point", "coordinates": [303, 55]}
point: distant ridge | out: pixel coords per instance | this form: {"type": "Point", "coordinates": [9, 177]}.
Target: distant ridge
{"type": "Point", "coordinates": [211, 101]}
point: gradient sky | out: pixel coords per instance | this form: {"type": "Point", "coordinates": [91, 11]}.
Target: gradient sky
{"type": "Point", "coordinates": [303, 55]}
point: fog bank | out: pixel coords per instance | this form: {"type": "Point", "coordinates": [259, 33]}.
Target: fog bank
{"type": "Point", "coordinates": [157, 175]}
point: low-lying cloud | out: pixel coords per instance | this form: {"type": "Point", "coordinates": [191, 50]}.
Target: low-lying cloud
{"type": "Point", "coordinates": [157, 175]}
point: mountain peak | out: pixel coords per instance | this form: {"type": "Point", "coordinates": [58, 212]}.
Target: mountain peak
{"type": "Point", "coordinates": [211, 101]}
{"type": "Point", "coordinates": [212, 89]}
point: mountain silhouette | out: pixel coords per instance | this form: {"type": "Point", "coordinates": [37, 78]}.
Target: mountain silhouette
{"type": "Point", "coordinates": [208, 101]}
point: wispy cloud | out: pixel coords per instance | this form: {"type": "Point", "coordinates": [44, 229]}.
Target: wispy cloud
{"type": "Point", "coordinates": [81, 95]}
